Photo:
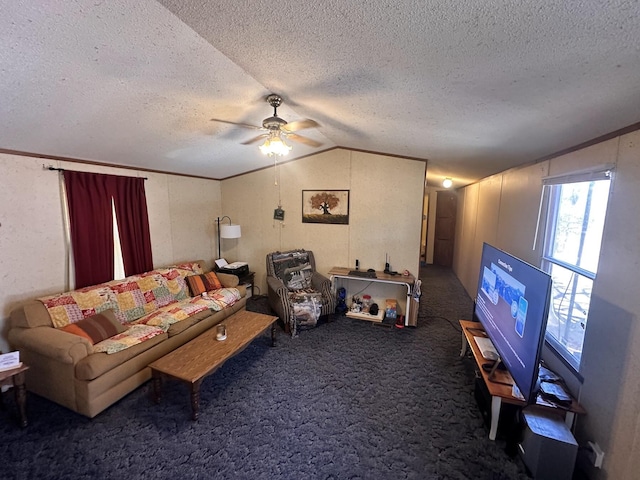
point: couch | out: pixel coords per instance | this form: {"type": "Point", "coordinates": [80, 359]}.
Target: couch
{"type": "Point", "coordinates": [298, 293]}
{"type": "Point", "coordinates": [88, 348]}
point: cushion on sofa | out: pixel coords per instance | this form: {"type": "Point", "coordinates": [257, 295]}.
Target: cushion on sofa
{"type": "Point", "coordinates": [207, 282]}
{"type": "Point", "coordinates": [183, 325]}
{"type": "Point", "coordinates": [174, 313]}
{"type": "Point", "coordinates": [96, 364]}
{"type": "Point", "coordinates": [97, 327]}
{"type": "Point", "coordinates": [189, 268]}
{"type": "Point", "coordinates": [70, 307]}
{"type": "Point", "coordinates": [219, 299]}
{"type": "Point", "coordinates": [32, 314]}
{"type": "Point", "coordinates": [134, 335]}
{"type": "Point", "coordinates": [228, 280]}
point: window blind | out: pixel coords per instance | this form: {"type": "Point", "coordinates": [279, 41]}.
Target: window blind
{"type": "Point", "coordinates": [598, 172]}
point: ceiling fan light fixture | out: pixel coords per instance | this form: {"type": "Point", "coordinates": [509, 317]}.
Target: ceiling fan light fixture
{"type": "Point", "coordinates": [275, 145]}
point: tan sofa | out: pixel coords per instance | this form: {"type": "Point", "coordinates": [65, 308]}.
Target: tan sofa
{"type": "Point", "coordinates": [64, 367]}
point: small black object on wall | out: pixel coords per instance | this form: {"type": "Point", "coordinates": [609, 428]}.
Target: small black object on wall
{"type": "Point", "coordinates": [278, 214]}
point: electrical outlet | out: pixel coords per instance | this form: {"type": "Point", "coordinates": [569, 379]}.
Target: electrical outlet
{"type": "Point", "coordinates": [597, 455]}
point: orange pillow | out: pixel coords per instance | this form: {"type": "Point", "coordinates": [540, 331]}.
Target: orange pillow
{"type": "Point", "coordinates": [97, 327]}
{"type": "Point", "coordinates": [206, 282]}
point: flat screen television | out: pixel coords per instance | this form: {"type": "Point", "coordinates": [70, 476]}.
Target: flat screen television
{"type": "Point", "coordinates": [512, 304]}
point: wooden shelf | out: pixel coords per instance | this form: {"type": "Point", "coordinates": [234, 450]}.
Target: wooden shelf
{"type": "Point", "coordinates": [367, 316]}
{"type": "Point", "coordinates": [500, 385]}
{"type": "Point", "coordinates": [384, 280]}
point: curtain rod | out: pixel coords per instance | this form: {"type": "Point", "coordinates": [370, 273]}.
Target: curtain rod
{"type": "Point", "coordinates": [62, 170]}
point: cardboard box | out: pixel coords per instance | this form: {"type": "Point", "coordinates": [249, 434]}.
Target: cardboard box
{"type": "Point", "coordinates": [391, 308]}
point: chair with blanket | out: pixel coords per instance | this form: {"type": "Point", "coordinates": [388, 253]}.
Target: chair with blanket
{"type": "Point", "coordinates": [296, 291]}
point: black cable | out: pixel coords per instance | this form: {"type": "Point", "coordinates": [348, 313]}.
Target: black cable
{"type": "Point", "coordinates": [454, 325]}
{"type": "Point", "coordinates": [366, 286]}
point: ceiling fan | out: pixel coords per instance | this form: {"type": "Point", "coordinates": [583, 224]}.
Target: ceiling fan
{"type": "Point", "coordinates": [277, 129]}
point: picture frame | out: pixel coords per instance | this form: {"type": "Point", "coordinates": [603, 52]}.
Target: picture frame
{"type": "Point", "coordinates": [329, 207]}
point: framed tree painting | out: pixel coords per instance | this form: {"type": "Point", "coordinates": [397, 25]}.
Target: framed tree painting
{"type": "Point", "coordinates": [325, 206]}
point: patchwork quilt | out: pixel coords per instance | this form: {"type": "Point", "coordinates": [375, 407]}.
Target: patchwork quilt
{"type": "Point", "coordinates": [148, 304]}
{"type": "Point", "coordinates": [131, 298]}
{"type": "Point", "coordinates": [134, 335]}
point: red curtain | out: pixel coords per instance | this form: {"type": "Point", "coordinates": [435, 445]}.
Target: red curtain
{"type": "Point", "coordinates": [133, 224]}
{"type": "Point", "coordinates": [91, 223]}
{"type": "Point", "coordinates": [89, 198]}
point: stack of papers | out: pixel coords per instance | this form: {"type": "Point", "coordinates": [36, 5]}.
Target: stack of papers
{"type": "Point", "coordinates": [9, 361]}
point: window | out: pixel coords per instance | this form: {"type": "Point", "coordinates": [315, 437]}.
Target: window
{"type": "Point", "coordinates": [118, 260]}
{"type": "Point", "coordinates": [577, 207]}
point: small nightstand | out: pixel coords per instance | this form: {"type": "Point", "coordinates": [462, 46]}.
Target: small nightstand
{"type": "Point", "coordinates": [247, 280]}
{"type": "Point", "coordinates": [15, 376]}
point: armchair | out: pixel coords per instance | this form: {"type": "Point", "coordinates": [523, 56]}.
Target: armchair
{"type": "Point", "coordinates": [296, 291]}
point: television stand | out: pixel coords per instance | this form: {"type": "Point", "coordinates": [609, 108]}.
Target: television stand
{"type": "Point", "coordinates": [499, 383]}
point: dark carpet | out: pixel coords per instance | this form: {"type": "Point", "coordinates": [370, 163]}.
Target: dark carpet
{"type": "Point", "coordinates": [346, 400]}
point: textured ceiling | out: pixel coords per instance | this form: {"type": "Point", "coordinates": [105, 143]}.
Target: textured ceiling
{"type": "Point", "coordinates": [474, 87]}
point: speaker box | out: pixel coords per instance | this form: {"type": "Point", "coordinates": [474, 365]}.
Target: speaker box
{"type": "Point", "coordinates": [548, 448]}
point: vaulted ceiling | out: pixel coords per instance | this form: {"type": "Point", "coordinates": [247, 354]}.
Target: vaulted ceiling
{"type": "Point", "coordinates": [474, 87]}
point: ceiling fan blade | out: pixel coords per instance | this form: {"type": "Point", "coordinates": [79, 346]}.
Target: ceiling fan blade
{"type": "Point", "coordinates": [246, 125]}
{"type": "Point", "coordinates": [255, 139]}
{"type": "Point", "coordinates": [300, 125]}
{"type": "Point", "coordinates": [299, 138]}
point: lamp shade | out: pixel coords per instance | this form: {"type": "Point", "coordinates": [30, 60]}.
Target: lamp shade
{"type": "Point", "coordinates": [274, 145]}
{"type": "Point", "coordinates": [230, 231]}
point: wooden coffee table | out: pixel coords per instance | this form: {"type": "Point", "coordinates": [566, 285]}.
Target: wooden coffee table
{"type": "Point", "coordinates": [202, 356]}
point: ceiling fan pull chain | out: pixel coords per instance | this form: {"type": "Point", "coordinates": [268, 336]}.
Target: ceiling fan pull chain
{"type": "Point", "coordinates": [275, 173]}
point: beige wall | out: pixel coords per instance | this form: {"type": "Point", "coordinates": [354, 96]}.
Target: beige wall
{"type": "Point", "coordinates": [33, 260]}
{"type": "Point", "coordinates": [385, 212]}
{"type": "Point", "coordinates": [503, 210]}
{"type": "Point", "coordinates": [385, 217]}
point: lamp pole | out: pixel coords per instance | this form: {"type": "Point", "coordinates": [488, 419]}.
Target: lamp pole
{"type": "Point", "coordinates": [219, 239]}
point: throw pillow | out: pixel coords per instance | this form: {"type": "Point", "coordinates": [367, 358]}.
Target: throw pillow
{"type": "Point", "coordinates": [206, 282]}
{"type": "Point", "coordinates": [96, 328]}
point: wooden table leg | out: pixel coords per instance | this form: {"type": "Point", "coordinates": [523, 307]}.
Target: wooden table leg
{"type": "Point", "coordinates": [195, 399]}
{"type": "Point", "coordinates": [21, 397]}
{"type": "Point", "coordinates": [157, 387]}
{"type": "Point", "coordinates": [496, 403]}
{"type": "Point", "coordinates": [463, 349]}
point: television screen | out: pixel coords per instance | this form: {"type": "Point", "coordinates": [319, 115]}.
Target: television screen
{"type": "Point", "coordinates": [512, 303]}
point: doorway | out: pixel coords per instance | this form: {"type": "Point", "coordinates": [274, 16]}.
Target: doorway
{"type": "Point", "coordinates": [424, 230]}
{"type": "Point", "coordinates": [445, 228]}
